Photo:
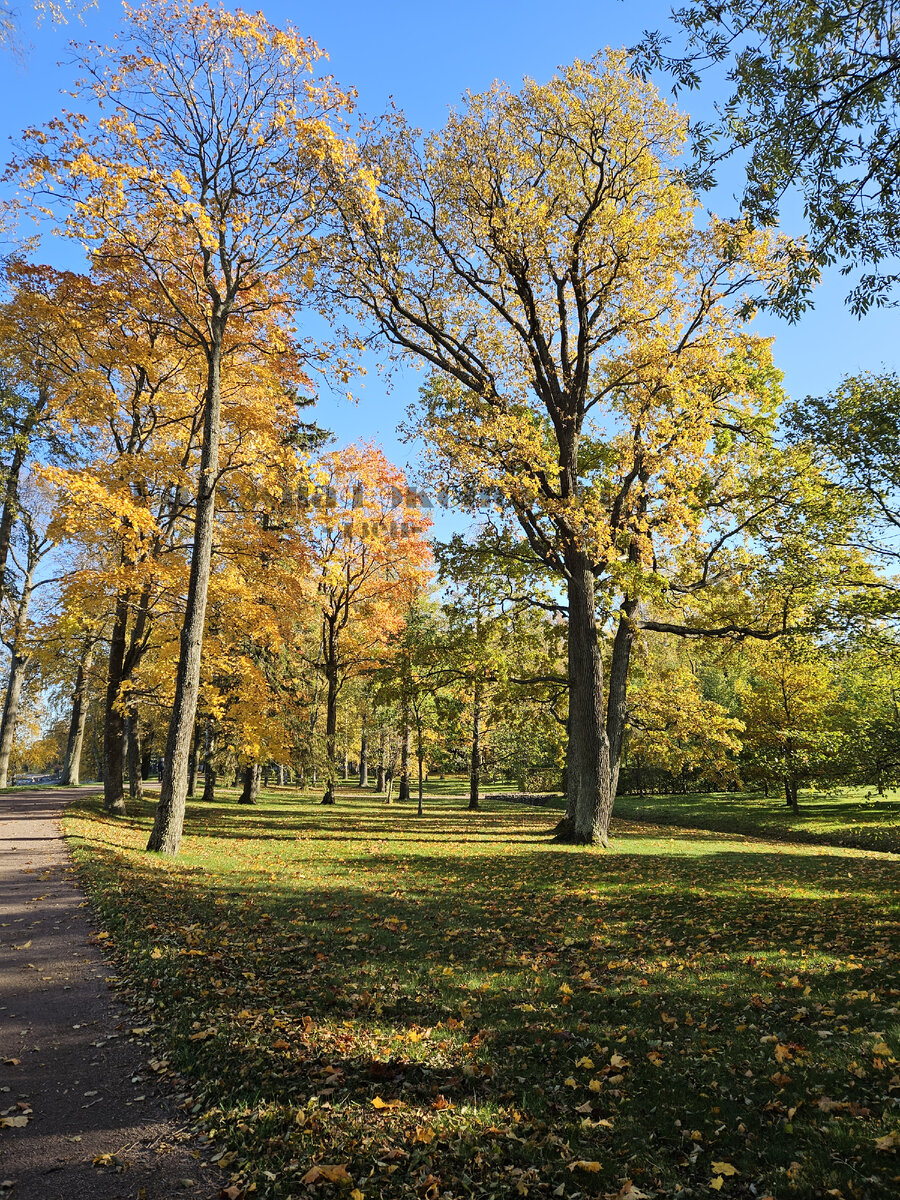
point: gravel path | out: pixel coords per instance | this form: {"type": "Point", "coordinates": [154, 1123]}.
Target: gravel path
{"type": "Point", "coordinates": [68, 1061]}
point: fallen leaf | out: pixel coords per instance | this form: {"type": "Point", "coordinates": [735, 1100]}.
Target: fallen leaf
{"type": "Point", "coordinates": [716, 1184]}
{"type": "Point", "coordinates": [13, 1122]}
{"type": "Point", "coordinates": [379, 1103]}
{"type": "Point", "coordinates": [581, 1164]}
{"type": "Point", "coordinates": [890, 1141]}
{"type": "Point", "coordinates": [724, 1168]}
{"type": "Point", "coordinates": [331, 1174]}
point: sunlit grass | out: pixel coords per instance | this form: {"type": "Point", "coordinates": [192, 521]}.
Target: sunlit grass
{"type": "Point", "coordinates": [467, 967]}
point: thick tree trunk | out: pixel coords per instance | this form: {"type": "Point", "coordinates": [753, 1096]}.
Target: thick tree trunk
{"type": "Point", "coordinates": [14, 685]}
{"type": "Point", "coordinates": [616, 708]}
{"type": "Point", "coordinates": [209, 770]}
{"type": "Point", "coordinates": [167, 828]}
{"type": "Point", "coordinates": [192, 761]}
{"type": "Point", "coordinates": [18, 665]}
{"type": "Point", "coordinates": [331, 739]}
{"type": "Point", "coordinates": [403, 793]}
{"type": "Point", "coordinates": [364, 758]}
{"type": "Point", "coordinates": [133, 755]}
{"type": "Point", "coordinates": [280, 774]}
{"type": "Point", "coordinates": [588, 751]}
{"type": "Point", "coordinates": [113, 719]}
{"type": "Point", "coordinates": [475, 758]}
{"type": "Point", "coordinates": [250, 790]}
{"type": "Point", "coordinates": [71, 772]}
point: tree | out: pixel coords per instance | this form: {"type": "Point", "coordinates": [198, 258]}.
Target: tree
{"type": "Point", "coordinates": [368, 560]}
{"type": "Point", "coordinates": [211, 166]}
{"type": "Point", "coordinates": [789, 709]}
{"type": "Point", "coordinates": [586, 342]}
{"type": "Point", "coordinates": [15, 617]}
{"type": "Point", "coordinates": [814, 101]}
{"type": "Point", "coordinates": [857, 428]}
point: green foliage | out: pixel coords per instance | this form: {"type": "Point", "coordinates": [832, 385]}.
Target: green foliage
{"type": "Point", "coordinates": [815, 90]}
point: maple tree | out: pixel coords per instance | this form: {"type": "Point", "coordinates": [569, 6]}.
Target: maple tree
{"type": "Point", "coordinates": [210, 162]}
{"type": "Point", "coordinates": [587, 344]}
{"type": "Point", "coordinates": [368, 559]}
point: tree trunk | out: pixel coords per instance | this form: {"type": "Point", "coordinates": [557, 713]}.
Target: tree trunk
{"type": "Point", "coordinates": [209, 771]}
{"type": "Point", "coordinates": [113, 720]}
{"type": "Point", "coordinates": [364, 758]}
{"type": "Point", "coordinates": [419, 756]}
{"type": "Point", "coordinates": [169, 822]}
{"type": "Point", "coordinates": [331, 739]}
{"type": "Point", "coordinates": [379, 779]}
{"type": "Point", "coordinates": [250, 790]}
{"type": "Point", "coordinates": [192, 761]}
{"type": "Point", "coordinates": [280, 775]}
{"type": "Point", "coordinates": [403, 793]}
{"type": "Point", "coordinates": [14, 684]}
{"type": "Point", "coordinates": [588, 750]}
{"type": "Point", "coordinates": [475, 762]}
{"type": "Point", "coordinates": [790, 793]}
{"type": "Point", "coordinates": [71, 772]}
{"type": "Point", "coordinates": [133, 755]}
{"type": "Point", "coordinates": [616, 708]}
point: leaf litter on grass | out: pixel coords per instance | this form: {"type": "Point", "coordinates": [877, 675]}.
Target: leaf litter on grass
{"type": "Point", "coordinates": [417, 1002]}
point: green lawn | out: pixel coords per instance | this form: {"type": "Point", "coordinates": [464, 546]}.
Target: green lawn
{"type": "Point", "coordinates": [843, 817]}
{"type": "Point", "coordinates": [454, 1006]}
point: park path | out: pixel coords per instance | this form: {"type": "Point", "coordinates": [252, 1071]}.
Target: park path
{"type": "Point", "coordinates": [67, 1060]}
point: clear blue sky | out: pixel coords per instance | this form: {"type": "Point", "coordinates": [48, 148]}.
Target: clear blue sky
{"type": "Point", "coordinates": [425, 55]}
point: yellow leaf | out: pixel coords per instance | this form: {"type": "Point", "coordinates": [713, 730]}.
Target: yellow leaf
{"type": "Point", "coordinates": [424, 1133]}
{"type": "Point", "coordinates": [586, 1063]}
{"type": "Point", "coordinates": [724, 1168]}
{"type": "Point", "coordinates": [581, 1164]}
{"type": "Point", "coordinates": [716, 1184]}
{"type": "Point", "coordinates": [356, 1194]}
{"type": "Point", "coordinates": [881, 1047]}
{"type": "Point", "coordinates": [566, 990]}
{"type": "Point", "coordinates": [331, 1174]}
{"type": "Point", "coordinates": [891, 1141]}
{"type": "Point", "coordinates": [379, 1103]}
{"type": "Point", "coordinates": [13, 1122]}
{"type": "Point", "coordinates": [570, 1082]}
{"type": "Point", "coordinates": [595, 1085]}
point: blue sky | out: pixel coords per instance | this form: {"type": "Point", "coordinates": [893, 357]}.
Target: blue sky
{"type": "Point", "coordinates": [425, 55]}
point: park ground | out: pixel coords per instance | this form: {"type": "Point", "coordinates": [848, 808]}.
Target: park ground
{"type": "Point", "coordinates": [364, 1003]}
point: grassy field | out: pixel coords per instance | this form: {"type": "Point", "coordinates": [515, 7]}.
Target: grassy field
{"type": "Point", "coordinates": [363, 1003]}
{"type": "Point", "coordinates": [843, 817]}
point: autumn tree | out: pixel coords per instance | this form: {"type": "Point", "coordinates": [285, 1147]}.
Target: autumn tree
{"type": "Point", "coordinates": [368, 559]}
{"type": "Point", "coordinates": [585, 334]}
{"type": "Point", "coordinates": [16, 616]}
{"type": "Point", "coordinates": [209, 157]}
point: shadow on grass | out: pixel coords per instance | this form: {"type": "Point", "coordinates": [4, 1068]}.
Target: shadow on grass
{"type": "Point", "coordinates": [513, 998]}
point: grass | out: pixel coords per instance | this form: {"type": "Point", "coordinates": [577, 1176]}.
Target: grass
{"type": "Point", "coordinates": [454, 1006]}
{"type": "Point", "coordinates": [855, 817]}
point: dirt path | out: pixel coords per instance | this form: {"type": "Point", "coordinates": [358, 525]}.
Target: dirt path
{"type": "Point", "coordinates": [68, 1061]}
